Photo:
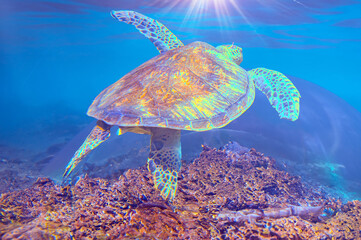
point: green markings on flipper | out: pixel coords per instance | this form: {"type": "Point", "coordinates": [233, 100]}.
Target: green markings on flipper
{"type": "Point", "coordinates": [164, 160]}
{"type": "Point", "coordinates": [158, 34]}
{"type": "Point", "coordinates": [280, 91]}
{"type": "Point", "coordinates": [99, 134]}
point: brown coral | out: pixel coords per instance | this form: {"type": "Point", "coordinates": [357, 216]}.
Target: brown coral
{"type": "Point", "coordinates": [217, 182]}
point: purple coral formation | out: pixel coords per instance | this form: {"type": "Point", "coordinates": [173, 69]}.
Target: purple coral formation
{"type": "Point", "coordinates": [223, 194]}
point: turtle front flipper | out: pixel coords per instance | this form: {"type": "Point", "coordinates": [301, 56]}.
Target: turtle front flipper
{"type": "Point", "coordinates": [99, 134]}
{"type": "Point", "coordinates": [280, 91]}
{"type": "Point", "coordinates": [158, 34]}
{"type": "Point", "coordinates": [164, 160]}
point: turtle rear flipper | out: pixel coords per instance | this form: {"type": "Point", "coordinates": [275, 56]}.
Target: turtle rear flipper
{"type": "Point", "coordinates": [158, 34]}
{"type": "Point", "coordinates": [164, 160]}
{"type": "Point", "coordinates": [280, 91]}
{"type": "Point", "coordinates": [99, 134]}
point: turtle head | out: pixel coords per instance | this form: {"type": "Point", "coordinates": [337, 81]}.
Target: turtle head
{"type": "Point", "coordinates": [232, 52]}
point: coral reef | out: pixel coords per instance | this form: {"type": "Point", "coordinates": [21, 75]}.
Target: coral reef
{"type": "Point", "coordinates": [223, 194]}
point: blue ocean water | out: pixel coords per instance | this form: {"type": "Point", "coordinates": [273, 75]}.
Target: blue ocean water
{"type": "Point", "coordinates": [56, 56]}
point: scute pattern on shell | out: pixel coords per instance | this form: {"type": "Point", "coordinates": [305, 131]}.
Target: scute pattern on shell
{"type": "Point", "coordinates": [193, 87]}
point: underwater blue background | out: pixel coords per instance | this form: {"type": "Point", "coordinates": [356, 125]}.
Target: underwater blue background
{"type": "Point", "coordinates": [56, 57]}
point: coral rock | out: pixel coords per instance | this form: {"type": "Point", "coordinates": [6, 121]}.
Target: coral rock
{"type": "Point", "coordinates": [262, 202]}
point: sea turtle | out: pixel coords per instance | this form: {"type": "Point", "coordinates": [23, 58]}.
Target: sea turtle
{"type": "Point", "coordinates": [194, 87]}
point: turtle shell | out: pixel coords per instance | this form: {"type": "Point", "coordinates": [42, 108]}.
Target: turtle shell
{"type": "Point", "coordinates": [193, 87]}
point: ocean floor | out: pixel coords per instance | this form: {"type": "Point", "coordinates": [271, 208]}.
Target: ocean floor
{"type": "Point", "coordinates": [231, 193]}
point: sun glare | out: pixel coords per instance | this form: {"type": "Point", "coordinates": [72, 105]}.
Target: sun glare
{"type": "Point", "coordinates": [200, 9]}
{"type": "Point", "coordinates": [224, 12]}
